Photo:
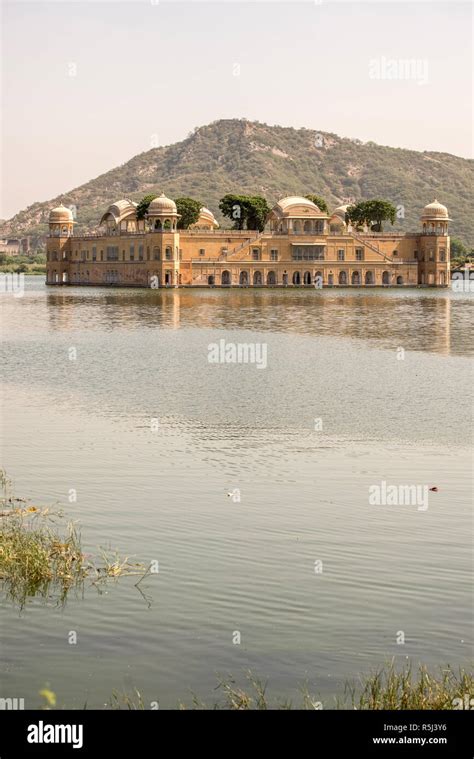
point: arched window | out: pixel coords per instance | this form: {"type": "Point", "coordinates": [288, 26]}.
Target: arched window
{"type": "Point", "coordinates": [285, 278]}
{"type": "Point", "coordinates": [342, 278]}
{"type": "Point", "coordinates": [386, 278]}
{"type": "Point", "coordinates": [244, 278]}
{"type": "Point", "coordinates": [169, 254]}
{"type": "Point", "coordinates": [167, 224]}
{"type": "Point", "coordinates": [369, 278]}
{"type": "Point", "coordinates": [399, 280]}
{"type": "Point", "coordinates": [330, 279]}
{"type": "Point", "coordinates": [271, 278]}
{"type": "Point", "coordinates": [307, 278]}
{"type": "Point", "coordinates": [158, 224]}
{"type": "Point", "coordinates": [225, 279]}
{"type": "Point", "coordinates": [296, 278]}
{"type": "Point", "coordinates": [257, 278]}
{"type": "Point", "coordinates": [355, 280]}
{"type": "Point", "coordinates": [210, 279]}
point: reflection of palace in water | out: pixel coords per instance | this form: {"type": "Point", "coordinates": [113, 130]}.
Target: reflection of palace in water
{"type": "Point", "coordinates": [331, 312]}
{"type": "Point", "coordinates": [300, 247]}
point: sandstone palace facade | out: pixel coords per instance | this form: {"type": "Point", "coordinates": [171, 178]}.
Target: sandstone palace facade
{"type": "Point", "coordinates": [301, 246]}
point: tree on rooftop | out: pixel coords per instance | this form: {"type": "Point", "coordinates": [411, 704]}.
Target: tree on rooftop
{"type": "Point", "coordinates": [233, 207]}
{"type": "Point", "coordinates": [372, 213]}
{"type": "Point", "coordinates": [318, 201]}
{"type": "Point", "coordinates": [142, 207]}
{"type": "Point", "coordinates": [189, 209]}
{"type": "Point", "coordinates": [257, 212]}
{"type": "Point", "coordinates": [246, 211]}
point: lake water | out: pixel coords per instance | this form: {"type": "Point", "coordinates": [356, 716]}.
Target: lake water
{"type": "Point", "coordinates": [161, 494]}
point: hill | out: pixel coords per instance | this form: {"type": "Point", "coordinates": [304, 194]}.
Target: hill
{"type": "Point", "coordinates": [239, 156]}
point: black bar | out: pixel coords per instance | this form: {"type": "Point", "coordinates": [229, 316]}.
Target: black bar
{"type": "Point", "coordinates": [293, 733]}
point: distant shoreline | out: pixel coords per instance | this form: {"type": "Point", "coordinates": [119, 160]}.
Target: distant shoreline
{"type": "Point", "coordinates": [38, 270]}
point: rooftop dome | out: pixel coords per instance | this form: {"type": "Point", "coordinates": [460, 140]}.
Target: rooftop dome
{"type": "Point", "coordinates": [341, 211]}
{"type": "Point", "coordinates": [162, 206]}
{"type": "Point", "coordinates": [435, 210]}
{"type": "Point", "coordinates": [296, 200]}
{"type": "Point", "coordinates": [119, 210]}
{"type": "Point", "coordinates": [295, 206]}
{"type": "Point", "coordinates": [60, 215]}
{"type": "Point", "coordinates": [205, 215]}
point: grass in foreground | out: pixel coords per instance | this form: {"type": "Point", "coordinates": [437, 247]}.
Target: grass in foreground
{"type": "Point", "coordinates": [39, 559]}
{"type": "Point", "coordinates": [405, 689]}
{"type": "Point", "coordinates": [389, 689]}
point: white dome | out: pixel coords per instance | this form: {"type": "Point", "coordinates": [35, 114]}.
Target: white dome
{"type": "Point", "coordinates": [61, 215]}
{"type": "Point", "coordinates": [435, 210]}
{"type": "Point", "coordinates": [162, 206]}
{"type": "Point", "coordinates": [295, 200]}
{"type": "Point", "coordinates": [295, 206]}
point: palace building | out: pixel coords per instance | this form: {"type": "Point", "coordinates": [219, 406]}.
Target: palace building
{"type": "Point", "coordinates": [300, 247]}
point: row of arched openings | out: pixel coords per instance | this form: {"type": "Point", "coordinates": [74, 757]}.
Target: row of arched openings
{"type": "Point", "coordinates": [306, 279]}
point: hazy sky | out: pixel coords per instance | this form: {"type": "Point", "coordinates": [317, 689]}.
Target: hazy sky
{"type": "Point", "coordinates": [88, 85]}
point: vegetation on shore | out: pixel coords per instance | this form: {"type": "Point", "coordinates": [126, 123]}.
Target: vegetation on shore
{"type": "Point", "coordinates": [23, 264]}
{"type": "Point", "coordinates": [38, 558]}
{"type": "Point", "coordinates": [460, 255]}
{"type": "Point", "coordinates": [388, 688]}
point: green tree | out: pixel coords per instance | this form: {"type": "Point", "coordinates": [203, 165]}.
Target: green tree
{"type": "Point", "coordinates": [458, 249]}
{"type": "Point", "coordinates": [233, 207]}
{"type": "Point", "coordinates": [142, 207]}
{"type": "Point", "coordinates": [356, 214]}
{"type": "Point", "coordinates": [189, 210]}
{"type": "Point", "coordinates": [257, 212]}
{"type": "Point", "coordinates": [380, 211]}
{"type": "Point", "coordinates": [246, 211]}
{"type": "Point", "coordinates": [318, 201]}
{"type": "Point", "coordinates": [372, 212]}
